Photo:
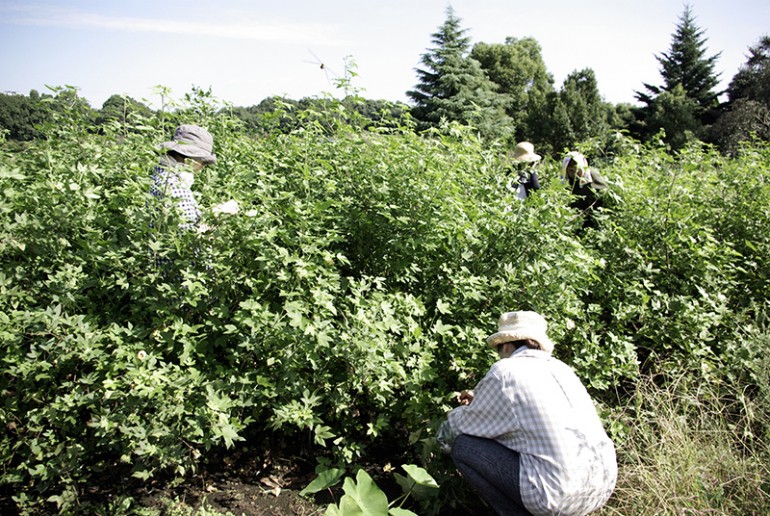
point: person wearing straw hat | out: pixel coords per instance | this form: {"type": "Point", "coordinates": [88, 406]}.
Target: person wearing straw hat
{"type": "Point", "coordinates": [525, 161]}
{"type": "Point", "coordinates": [528, 438]}
{"type": "Point", "coordinates": [585, 184]}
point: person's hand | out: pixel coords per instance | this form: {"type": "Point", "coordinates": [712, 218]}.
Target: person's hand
{"type": "Point", "coordinates": [465, 397]}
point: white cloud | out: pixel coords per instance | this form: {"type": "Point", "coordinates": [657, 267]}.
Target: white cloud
{"type": "Point", "coordinates": [268, 32]}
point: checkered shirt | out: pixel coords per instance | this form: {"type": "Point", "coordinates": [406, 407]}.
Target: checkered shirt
{"type": "Point", "coordinates": [167, 183]}
{"type": "Point", "coordinates": [536, 405]}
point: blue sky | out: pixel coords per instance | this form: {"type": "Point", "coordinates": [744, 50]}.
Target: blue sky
{"type": "Point", "coordinates": [248, 50]}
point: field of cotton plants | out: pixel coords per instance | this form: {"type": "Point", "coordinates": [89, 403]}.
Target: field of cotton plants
{"type": "Point", "coordinates": [331, 319]}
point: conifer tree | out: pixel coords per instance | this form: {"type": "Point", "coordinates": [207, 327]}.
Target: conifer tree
{"type": "Point", "coordinates": [586, 110]}
{"type": "Point", "coordinates": [453, 87]}
{"type": "Point", "coordinates": [746, 114]}
{"type": "Point", "coordinates": [685, 64]}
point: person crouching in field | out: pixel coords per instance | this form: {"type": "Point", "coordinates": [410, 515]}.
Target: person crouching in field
{"type": "Point", "coordinates": [188, 152]}
{"type": "Point", "coordinates": [528, 438]}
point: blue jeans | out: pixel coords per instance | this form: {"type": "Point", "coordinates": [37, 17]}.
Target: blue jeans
{"type": "Point", "coordinates": [492, 470]}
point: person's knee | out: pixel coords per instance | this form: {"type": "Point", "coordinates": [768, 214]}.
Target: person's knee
{"type": "Point", "coordinates": [466, 449]}
{"type": "Point", "coordinates": [460, 446]}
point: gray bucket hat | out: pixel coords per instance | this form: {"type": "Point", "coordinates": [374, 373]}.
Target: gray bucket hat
{"type": "Point", "coordinates": [192, 141]}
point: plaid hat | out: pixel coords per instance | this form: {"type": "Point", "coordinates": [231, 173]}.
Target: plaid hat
{"type": "Point", "coordinates": [192, 141]}
{"type": "Point", "coordinates": [521, 325]}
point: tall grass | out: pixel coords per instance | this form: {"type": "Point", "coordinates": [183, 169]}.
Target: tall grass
{"type": "Point", "coordinates": [693, 447]}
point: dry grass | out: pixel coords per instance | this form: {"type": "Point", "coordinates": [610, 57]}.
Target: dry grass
{"type": "Point", "coordinates": [693, 448]}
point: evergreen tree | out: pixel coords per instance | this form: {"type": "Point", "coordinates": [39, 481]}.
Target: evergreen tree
{"type": "Point", "coordinates": [453, 87]}
{"type": "Point", "coordinates": [676, 114]}
{"type": "Point", "coordinates": [574, 114]}
{"type": "Point", "coordinates": [586, 111]}
{"type": "Point", "coordinates": [685, 64]}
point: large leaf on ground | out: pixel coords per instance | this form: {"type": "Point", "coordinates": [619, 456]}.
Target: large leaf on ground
{"type": "Point", "coordinates": [325, 479]}
{"type": "Point", "coordinates": [362, 496]}
{"type": "Point", "coordinates": [418, 482]}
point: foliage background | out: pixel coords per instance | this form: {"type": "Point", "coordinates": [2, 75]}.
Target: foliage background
{"type": "Point", "coordinates": [336, 314]}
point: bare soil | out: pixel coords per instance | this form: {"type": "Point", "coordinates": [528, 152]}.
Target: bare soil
{"type": "Point", "coordinates": [245, 482]}
{"type": "Point", "coordinates": [241, 484]}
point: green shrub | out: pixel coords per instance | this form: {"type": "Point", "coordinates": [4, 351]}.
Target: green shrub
{"type": "Point", "coordinates": [339, 310]}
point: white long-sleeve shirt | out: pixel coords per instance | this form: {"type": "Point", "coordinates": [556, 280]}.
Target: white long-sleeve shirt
{"type": "Point", "coordinates": [533, 403]}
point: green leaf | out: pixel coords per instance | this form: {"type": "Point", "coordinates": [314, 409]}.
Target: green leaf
{"type": "Point", "coordinates": [229, 435]}
{"type": "Point", "coordinates": [419, 483]}
{"type": "Point", "coordinates": [420, 475]}
{"type": "Point", "coordinates": [322, 432]}
{"type": "Point", "coordinates": [442, 329]}
{"type": "Point", "coordinates": [364, 495]}
{"type": "Point", "coordinates": [324, 480]}
{"type": "Point", "coordinates": [142, 474]}
{"type": "Point", "coordinates": [332, 510]}
{"type": "Point", "coordinates": [398, 511]}
{"type": "Point", "coordinates": [350, 507]}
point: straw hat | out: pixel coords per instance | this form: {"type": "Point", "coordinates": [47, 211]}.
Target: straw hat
{"type": "Point", "coordinates": [525, 152]}
{"type": "Point", "coordinates": [192, 141]}
{"type": "Point", "coordinates": [521, 325]}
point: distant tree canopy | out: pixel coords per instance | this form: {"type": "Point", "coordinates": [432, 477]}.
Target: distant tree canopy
{"type": "Point", "coordinates": [746, 114]}
{"type": "Point", "coordinates": [20, 114]}
{"type": "Point", "coordinates": [518, 70]}
{"type": "Point", "coordinates": [503, 90]}
{"type": "Point", "coordinates": [122, 109]}
{"type": "Point", "coordinates": [282, 115]}
{"type": "Point", "coordinates": [577, 113]}
{"type": "Point", "coordinates": [24, 118]}
{"type": "Point", "coordinates": [453, 87]}
{"type": "Point", "coordinates": [752, 81]}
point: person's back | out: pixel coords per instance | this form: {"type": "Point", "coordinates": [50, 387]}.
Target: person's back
{"type": "Point", "coordinates": [567, 460]}
{"type": "Point", "coordinates": [528, 437]}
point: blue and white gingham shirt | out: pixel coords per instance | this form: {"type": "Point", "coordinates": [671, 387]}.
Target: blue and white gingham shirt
{"type": "Point", "coordinates": [533, 403]}
{"type": "Point", "coordinates": [169, 182]}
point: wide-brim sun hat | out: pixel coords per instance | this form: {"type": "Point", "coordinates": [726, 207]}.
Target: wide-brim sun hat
{"type": "Point", "coordinates": [521, 325]}
{"type": "Point", "coordinates": [194, 142]}
{"type": "Point", "coordinates": [525, 152]}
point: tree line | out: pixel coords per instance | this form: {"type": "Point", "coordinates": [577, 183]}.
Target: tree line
{"type": "Point", "coordinates": [504, 90]}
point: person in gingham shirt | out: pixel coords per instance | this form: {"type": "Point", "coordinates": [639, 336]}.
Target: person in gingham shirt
{"type": "Point", "coordinates": [188, 152]}
{"type": "Point", "coordinates": [528, 438]}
